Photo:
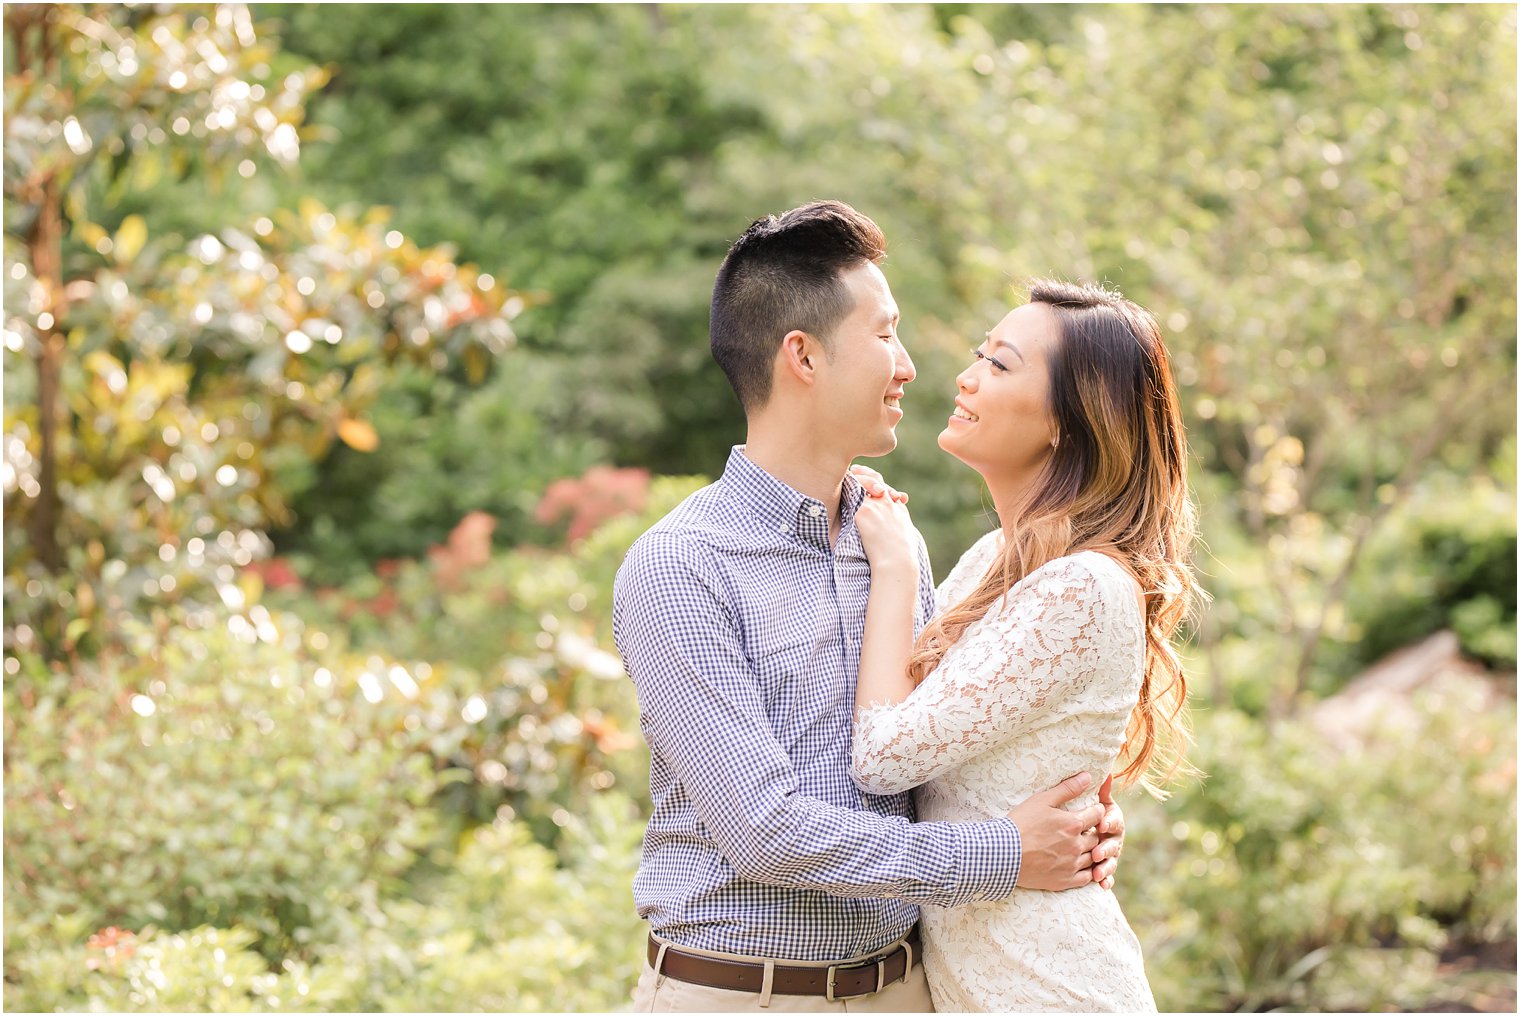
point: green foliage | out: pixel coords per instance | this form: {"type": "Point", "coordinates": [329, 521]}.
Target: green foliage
{"type": "Point", "coordinates": [1445, 558]}
{"type": "Point", "coordinates": [202, 970]}
{"type": "Point", "coordinates": [415, 784]}
{"type": "Point", "coordinates": [131, 96]}
{"type": "Point", "coordinates": [514, 643]}
{"type": "Point", "coordinates": [473, 940]}
{"type": "Point", "coordinates": [444, 449]}
{"type": "Point", "coordinates": [208, 778]}
{"type": "Point", "coordinates": [512, 927]}
{"type": "Point", "coordinates": [255, 778]}
{"type": "Point", "coordinates": [1313, 877]}
{"type": "Point", "coordinates": [1448, 560]}
{"type": "Point", "coordinates": [510, 132]}
{"type": "Point", "coordinates": [162, 395]}
{"type": "Point", "coordinates": [1310, 228]}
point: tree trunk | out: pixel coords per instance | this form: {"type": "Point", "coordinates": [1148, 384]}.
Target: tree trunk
{"type": "Point", "coordinates": [31, 28]}
{"type": "Point", "coordinates": [45, 245]}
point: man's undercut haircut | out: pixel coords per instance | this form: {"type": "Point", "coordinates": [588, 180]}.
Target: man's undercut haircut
{"type": "Point", "coordinates": [783, 274]}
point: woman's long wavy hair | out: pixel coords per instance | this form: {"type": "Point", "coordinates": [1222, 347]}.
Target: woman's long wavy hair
{"type": "Point", "coordinates": [1116, 482]}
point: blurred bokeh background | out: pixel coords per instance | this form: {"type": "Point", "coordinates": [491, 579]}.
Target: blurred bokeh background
{"type": "Point", "coordinates": [347, 349]}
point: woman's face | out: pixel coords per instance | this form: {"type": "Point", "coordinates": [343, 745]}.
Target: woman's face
{"type": "Point", "coordinates": [1002, 425]}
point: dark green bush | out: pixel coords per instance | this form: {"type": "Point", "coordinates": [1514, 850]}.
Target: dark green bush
{"type": "Point", "coordinates": [446, 448]}
{"type": "Point", "coordinates": [1448, 561]}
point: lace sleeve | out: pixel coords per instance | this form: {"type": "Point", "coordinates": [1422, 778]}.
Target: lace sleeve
{"type": "Point", "coordinates": [1036, 647]}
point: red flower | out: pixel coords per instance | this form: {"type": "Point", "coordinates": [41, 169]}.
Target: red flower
{"type": "Point", "coordinates": [602, 493]}
{"type": "Point", "coordinates": [109, 947]}
{"type": "Point", "coordinates": [469, 547]}
{"type": "Point", "coordinates": [276, 573]}
{"type": "Point", "coordinates": [385, 604]}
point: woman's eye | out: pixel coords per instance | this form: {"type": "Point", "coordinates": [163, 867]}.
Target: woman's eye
{"type": "Point", "coordinates": [990, 359]}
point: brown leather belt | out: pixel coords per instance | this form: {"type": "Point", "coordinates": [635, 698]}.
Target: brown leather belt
{"type": "Point", "coordinates": [832, 982]}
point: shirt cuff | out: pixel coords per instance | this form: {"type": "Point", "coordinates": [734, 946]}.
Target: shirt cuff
{"type": "Point", "coordinates": [990, 855]}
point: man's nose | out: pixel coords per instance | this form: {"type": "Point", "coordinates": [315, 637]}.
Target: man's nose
{"type": "Point", "coordinates": [905, 370]}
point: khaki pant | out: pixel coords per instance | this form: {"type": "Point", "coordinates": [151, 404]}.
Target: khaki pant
{"type": "Point", "coordinates": [666, 994]}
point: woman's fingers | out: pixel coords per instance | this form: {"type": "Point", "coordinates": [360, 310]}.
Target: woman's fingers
{"type": "Point", "coordinates": [875, 485]}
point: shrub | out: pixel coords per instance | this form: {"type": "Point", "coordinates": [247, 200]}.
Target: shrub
{"type": "Point", "coordinates": [523, 698]}
{"type": "Point", "coordinates": [505, 927]}
{"type": "Point", "coordinates": [1448, 561]}
{"type": "Point", "coordinates": [509, 927]}
{"type": "Point", "coordinates": [217, 823]}
{"type": "Point", "coordinates": [1300, 876]}
{"type": "Point", "coordinates": [1444, 559]}
{"type": "Point", "coordinates": [210, 778]}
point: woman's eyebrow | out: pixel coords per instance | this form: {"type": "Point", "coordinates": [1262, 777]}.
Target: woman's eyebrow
{"type": "Point", "coordinates": [1008, 346]}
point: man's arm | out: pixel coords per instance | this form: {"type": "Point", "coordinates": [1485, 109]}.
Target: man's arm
{"type": "Point", "coordinates": [702, 712]}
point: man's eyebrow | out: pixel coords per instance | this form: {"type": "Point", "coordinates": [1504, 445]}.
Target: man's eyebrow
{"type": "Point", "coordinates": [1008, 346]}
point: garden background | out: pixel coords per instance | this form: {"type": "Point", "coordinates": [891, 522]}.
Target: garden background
{"type": "Point", "coordinates": [348, 348]}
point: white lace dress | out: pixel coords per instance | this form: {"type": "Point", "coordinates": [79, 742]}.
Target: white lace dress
{"type": "Point", "coordinates": [1037, 690]}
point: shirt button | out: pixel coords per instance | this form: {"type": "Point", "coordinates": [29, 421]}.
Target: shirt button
{"type": "Point", "coordinates": [785, 528]}
{"type": "Point", "coordinates": [815, 511]}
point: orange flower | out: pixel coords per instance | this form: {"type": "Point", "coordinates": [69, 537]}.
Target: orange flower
{"type": "Point", "coordinates": [109, 947]}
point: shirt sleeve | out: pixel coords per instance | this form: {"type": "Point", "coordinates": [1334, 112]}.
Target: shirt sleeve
{"type": "Point", "coordinates": [1035, 648]}
{"type": "Point", "coordinates": [702, 712]}
{"type": "Point", "coordinates": [926, 594]}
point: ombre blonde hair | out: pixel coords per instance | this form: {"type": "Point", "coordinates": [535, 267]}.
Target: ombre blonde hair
{"type": "Point", "coordinates": [1116, 482]}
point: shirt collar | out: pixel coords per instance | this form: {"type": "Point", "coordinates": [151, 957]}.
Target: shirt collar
{"type": "Point", "coordinates": [780, 508]}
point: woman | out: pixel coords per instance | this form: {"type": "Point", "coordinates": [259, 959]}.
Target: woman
{"type": "Point", "coordinates": [1050, 652]}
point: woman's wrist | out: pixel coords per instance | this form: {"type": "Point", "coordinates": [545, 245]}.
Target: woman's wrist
{"type": "Point", "coordinates": [895, 566]}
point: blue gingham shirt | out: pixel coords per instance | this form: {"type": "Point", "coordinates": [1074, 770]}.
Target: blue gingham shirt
{"type": "Point", "coordinates": [741, 629]}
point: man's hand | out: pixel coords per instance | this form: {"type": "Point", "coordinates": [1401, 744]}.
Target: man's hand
{"type": "Point", "coordinates": [1110, 837]}
{"type": "Point", "coordinates": [1057, 844]}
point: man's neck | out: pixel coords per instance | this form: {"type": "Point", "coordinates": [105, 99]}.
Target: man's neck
{"type": "Point", "coordinates": [814, 471]}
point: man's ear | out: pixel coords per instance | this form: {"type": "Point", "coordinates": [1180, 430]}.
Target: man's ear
{"type": "Point", "coordinates": [800, 354]}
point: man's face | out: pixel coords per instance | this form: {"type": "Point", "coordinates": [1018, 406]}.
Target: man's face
{"type": "Point", "coordinates": [861, 386]}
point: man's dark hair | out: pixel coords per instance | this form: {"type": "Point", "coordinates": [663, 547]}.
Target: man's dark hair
{"type": "Point", "coordinates": [782, 274]}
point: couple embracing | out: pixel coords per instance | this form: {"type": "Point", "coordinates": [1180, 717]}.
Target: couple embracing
{"type": "Point", "coordinates": [872, 795]}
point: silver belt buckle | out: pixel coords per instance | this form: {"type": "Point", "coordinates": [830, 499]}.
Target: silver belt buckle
{"type": "Point", "coordinates": [829, 994]}
{"type": "Point", "coordinates": [881, 973]}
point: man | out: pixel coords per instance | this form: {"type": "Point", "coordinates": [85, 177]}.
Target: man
{"type": "Point", "coordinates": [769, 880]}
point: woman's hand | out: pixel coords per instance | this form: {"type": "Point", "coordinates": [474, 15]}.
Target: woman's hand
{"type": "Point", "coordinates": [873, 483]}
{"type": "Point", "coordinates": [891, 545]}
{"type": "Point", "coordinates": [887, 535]}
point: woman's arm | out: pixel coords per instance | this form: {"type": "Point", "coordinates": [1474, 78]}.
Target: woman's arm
{"type": "Point", "coordinates": [891, 544]}
{"type": "Point", "coordinates": [1009, 671]}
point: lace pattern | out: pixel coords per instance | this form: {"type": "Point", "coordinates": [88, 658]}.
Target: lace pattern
{"type": "Point", "coordinates": [1037, 690]}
